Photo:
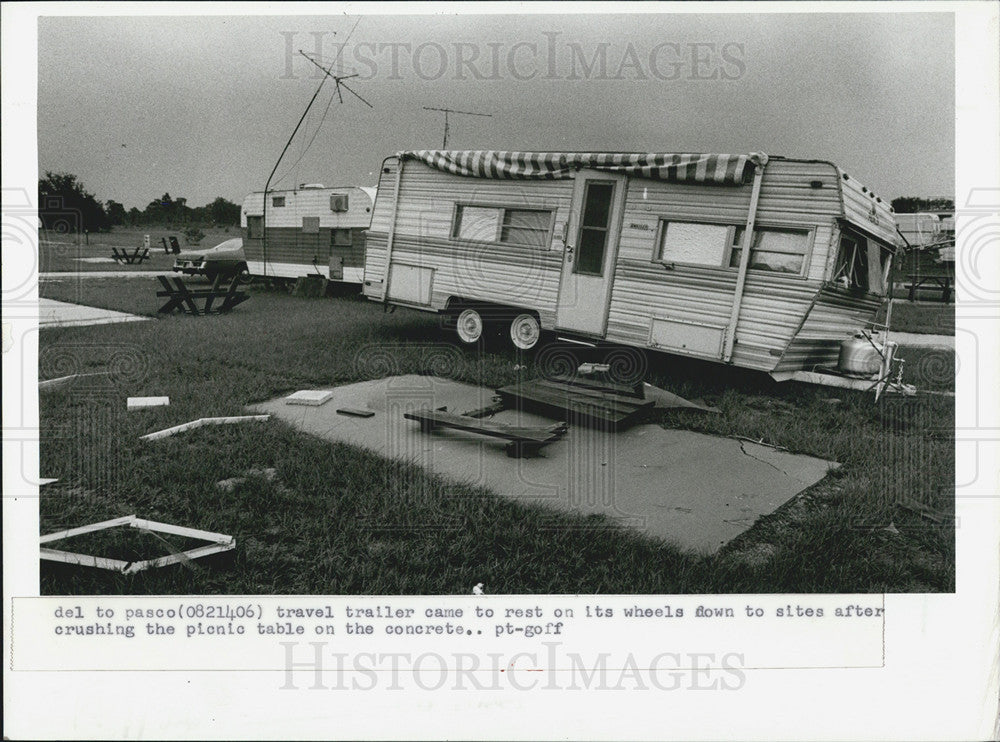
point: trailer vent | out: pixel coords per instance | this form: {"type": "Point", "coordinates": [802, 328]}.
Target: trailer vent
{"type": "Point", "coordinates": [338, 202]}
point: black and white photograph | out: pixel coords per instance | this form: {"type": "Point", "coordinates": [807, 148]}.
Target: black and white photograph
{"type": "Point", "coordinates": [524, 328]}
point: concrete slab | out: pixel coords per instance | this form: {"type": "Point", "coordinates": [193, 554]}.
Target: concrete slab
{"type": "Point", "coordinates": [695, 491]}
{"type": "Point", "coordinates": [923, 340]}
{"type": "Point", "coordinates": [52, 313]}
{"type": "Point", "coordinates": [95, 260]}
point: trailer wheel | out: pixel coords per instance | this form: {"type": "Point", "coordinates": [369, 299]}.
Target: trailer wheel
{"type": "Point", "coordinates": [469, 325]}
{"type": "Point", "coordinates": [525, 331]}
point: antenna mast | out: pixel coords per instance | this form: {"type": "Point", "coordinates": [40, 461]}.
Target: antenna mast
{"type": "Point", "coordinates": [446, 111]}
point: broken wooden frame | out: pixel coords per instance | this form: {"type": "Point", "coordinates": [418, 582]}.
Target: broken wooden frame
{"type": "Point", "coordinates": [199, 423]}
{"type": "Point", "coordinates": [219, 542]}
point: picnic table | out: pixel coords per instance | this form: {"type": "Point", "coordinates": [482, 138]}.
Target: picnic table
{"type": "Point", "coordinates": [125, 257]}
{"type": "Point", "coordinates": [181, 297]}
{"type": "Point", "coordinates": [945, 282]}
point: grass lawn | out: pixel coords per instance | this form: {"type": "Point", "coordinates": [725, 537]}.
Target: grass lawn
{"type": "Point", "coordinates": [935, 318]}
{"type": "Point", "coordinates": [333, 518]}
{"type": "Point", "coordinates": [63, 252]}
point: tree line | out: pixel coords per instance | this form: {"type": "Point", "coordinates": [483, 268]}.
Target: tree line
{"type": "Point", "coordinates": [914, 204]}
{"type": "Point", "coordinates": [65, 205]}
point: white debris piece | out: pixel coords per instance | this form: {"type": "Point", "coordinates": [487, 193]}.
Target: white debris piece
{"type": "Point", "coordinates": [312, 397]}
{"type": "Point", "coordinates": [199, 423]}
{"type": "Point", "coordinates": [478, 589]}
{"type": "Point", "coordinates": [136, 403]}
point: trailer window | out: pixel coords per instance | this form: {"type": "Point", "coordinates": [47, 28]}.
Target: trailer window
{"type": "Point", "coordinates": [594, 228]}
{"type": "Point", "coordinates": [525, 226]}
{"type": "Point", "coordinates": [340, 237]}
{"type": "Point", "coordinates": [310, 224]}
{"type": "Point", "coordinates": [477, 223]}
{"type": "Point", "coordinates": [776, 250]}
{"type": "Point", "coordinates": [528, 227]}
{"type": "Point", "coordinates": [697, 244]}
{"type": "Point", "coordinates": [277, 201]}
{"type": "Point", "coordinates": [861, 264]}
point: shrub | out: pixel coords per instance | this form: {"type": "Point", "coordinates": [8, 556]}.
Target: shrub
{"type": "Point", "coordinates": [193, 235]}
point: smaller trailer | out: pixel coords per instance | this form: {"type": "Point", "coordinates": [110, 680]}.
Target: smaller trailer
{"type": "Point", "coordinates": [307, 231]}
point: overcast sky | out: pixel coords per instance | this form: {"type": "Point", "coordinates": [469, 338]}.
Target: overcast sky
{"type": "Point", "coordinates": [201, 107]}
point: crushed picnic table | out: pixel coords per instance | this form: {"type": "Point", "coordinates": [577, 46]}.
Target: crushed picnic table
{"type": "Point", "coordinates": [521, 441]}
{"type": "Point", "coordinates": [124, 257]}
{"type": "Point", "coordinates": [183, 298]}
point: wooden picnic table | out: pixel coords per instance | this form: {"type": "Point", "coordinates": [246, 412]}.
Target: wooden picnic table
{"type": "Point", "coordinates": [181, 297]}
{"type": "Point", "coordinates": [124, 257]}
{"type": "Point", "coordinates": [944, 281]}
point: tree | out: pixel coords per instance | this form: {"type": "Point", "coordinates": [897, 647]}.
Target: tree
{"type": "Point", "coordinates": [224, 212]}
{"type": "Point", "coordinates": [116, 213]}
{"type": "Point", "coordinates": [66, 206]}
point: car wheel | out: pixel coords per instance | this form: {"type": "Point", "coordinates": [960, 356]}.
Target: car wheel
{"type": "Point", "coordinates": [469, 325]}
{"type": "Point", "coordinates": [525, 331]}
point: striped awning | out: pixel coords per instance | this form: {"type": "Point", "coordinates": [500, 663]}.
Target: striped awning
{"type": "Point", "coordinates": [684, 168]}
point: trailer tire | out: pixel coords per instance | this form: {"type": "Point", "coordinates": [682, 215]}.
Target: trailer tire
{"type": "Point", "coordinates": [525, 331]}
{"type": "Point", "coordinates": [469, 325]}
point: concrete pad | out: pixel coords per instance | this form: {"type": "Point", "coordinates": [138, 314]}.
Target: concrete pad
{"type": "Point", "coordinates": [923, 340]}
{"type": "Point", "coordinates": [52, 313]}
{"type": "Point", "coordinates": [693, 490]}
{"type": "Point", "coordinates": [95, 260]}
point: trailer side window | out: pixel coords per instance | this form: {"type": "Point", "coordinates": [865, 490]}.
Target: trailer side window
{"type": "Point", "coordinates": [776, 250]}
{"type": "Point", "coordinates": [340, 237]}
{"type": "Point", "coordinates": [861, 264]}
{"type": "Point", "coordinates": [277, 201]}
{"type": "Point", "coordinates": [497, 224]}
{"type": "Point", "coordinates": [525, 226]}
{"type": "Point", "coordinates": [698, 244]}
{"type": "Point", "coordinates": [310, 224]}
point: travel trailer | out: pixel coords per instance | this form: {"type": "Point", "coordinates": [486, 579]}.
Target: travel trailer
{"type": "Point", "coordinates": [311, 230]}
{"type": "Point", "coordinates": [767, 263]}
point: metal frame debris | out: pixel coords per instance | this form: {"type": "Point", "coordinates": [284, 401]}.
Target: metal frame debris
{"type": "Point", "coordinates": [219, 542]}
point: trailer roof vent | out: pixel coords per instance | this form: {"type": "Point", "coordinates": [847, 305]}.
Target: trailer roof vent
{"type": "Point", "coordinates": [309, 186]}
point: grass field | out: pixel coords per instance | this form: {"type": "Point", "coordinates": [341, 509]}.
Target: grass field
{"type": "Point", "coordinates": [63, 252]}
{"type": "Point", "coordinates": [333, 518]}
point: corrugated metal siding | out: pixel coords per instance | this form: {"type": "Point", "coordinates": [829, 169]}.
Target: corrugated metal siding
{"type": "Point", "coordinates": [290, 245]}
{"type": "Point", "coordinates": [833, 317]}
{"type": "Point", "coordinates": [773, 303]}
{"type": "Point", "coordinates": [507, 274]}
{"type": "Point", "coordinates": [311, 202]}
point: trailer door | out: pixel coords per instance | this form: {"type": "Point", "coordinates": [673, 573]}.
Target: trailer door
{"type": "Point", "coordinates": [591, 249]}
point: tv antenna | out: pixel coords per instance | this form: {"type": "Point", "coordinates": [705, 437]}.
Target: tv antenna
{"type": "Point", "coordinates": [446, 111]}
{"type": "Point", "coordinates": [338, 80]}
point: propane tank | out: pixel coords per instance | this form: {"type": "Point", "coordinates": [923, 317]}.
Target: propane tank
{"type": "Point", "coordinates": [860, 356]}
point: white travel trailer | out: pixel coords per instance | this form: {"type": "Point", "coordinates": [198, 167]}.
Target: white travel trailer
{"type": "Point", "coordinates": [644, 250]}
{"type": "Point", "coordinates": [307, 231]}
